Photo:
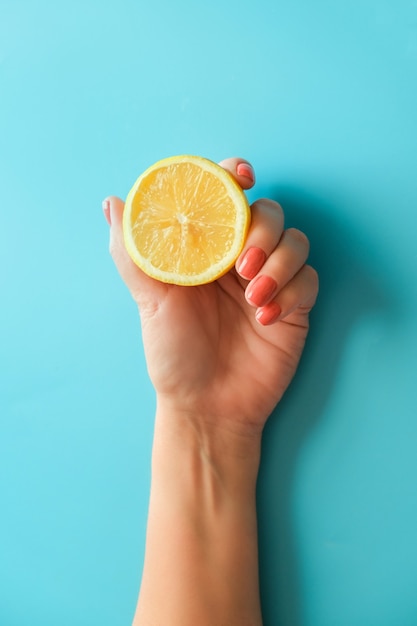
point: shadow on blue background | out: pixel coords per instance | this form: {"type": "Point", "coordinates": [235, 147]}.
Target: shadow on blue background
{"type": "Point", "coordinates": [348, 291]}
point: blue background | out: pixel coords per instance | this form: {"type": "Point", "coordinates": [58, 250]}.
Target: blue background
{"type": "Point", "coordinates": [322, 98]}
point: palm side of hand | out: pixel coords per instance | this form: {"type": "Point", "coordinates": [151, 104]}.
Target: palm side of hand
{"type": "Point", "coordinates": [206, 351]}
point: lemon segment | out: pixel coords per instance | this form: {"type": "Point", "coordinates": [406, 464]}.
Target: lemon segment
{"type": "Point", "coordinates": [185, 221]}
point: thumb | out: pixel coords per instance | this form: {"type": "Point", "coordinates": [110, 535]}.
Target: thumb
{"type": "Point", "coordinates": [144, 289]}
{"type": "Point", "coordinates": [241, 170]}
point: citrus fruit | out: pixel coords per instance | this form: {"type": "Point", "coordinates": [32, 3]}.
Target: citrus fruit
{"type": "Point", "coordinates": [185, 221]}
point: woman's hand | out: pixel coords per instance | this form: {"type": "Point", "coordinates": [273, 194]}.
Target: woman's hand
{"type": "Point", "coordinates": [225, 352]}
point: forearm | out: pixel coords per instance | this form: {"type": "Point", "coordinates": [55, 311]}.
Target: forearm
{"type": "Point", "coordinates": [201, 562]}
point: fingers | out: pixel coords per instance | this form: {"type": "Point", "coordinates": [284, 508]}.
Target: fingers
{"type": "Point", "coordinates": [274, 261]}
{"type": "Point", "coordinates": [299, 293]}
{"type": "Point", "coordinates": [241, 170]}
{"type": "Point", "coordinates": [281, 266]}
{"type": "Point", "coordinates": [266, 228]}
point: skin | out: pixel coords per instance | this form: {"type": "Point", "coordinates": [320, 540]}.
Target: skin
{"type": "Point", "coordinates": [220, 357]}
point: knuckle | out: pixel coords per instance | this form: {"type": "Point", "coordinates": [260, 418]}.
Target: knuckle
{"type": "Point", "coordinates": [312, 275]}
{"type": "Point", "coordinates": [298, 236]}
{"type": "Point", "coordinates": [266, 204]}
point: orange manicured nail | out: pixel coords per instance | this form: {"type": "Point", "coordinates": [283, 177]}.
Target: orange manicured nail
{"type": "Point", "coordinates": [261, 290]}
{"type": "Point", "coordinates": [246, 170]}
{"type": "Point", "coordinates": [268, 314]}
{"type": "Point", "coordinates": [251, 262]}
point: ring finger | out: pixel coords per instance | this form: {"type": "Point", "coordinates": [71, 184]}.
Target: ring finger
{"type": "Point", "coordinates": [300, 291]}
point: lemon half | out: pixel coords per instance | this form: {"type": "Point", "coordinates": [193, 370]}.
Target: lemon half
{"type": "Point", "coordinates": [185, 221]}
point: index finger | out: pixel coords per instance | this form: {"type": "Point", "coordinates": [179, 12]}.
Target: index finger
{"type": "Point", "coordinates": [265, 232]}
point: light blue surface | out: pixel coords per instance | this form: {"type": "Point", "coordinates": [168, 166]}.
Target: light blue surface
{"type": "Point", "coordinates": [322, 98]}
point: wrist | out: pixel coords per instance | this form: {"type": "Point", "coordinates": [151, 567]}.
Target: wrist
{"type": "Point", "coordinates": [205, 440]}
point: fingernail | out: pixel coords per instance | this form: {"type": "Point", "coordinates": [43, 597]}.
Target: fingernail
{"type": "Point", "coordinates": [261, 290]}
{"type": "Point", "coordinates": [106, 210]}
{"type": "Point", "coordinates": [246, 170]}
{"type": "Point", "coordinates": [268, 314]}
{"type": "Point", "coordinates": [251, 262]}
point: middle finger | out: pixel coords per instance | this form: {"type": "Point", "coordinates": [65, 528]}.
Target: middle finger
{"type": "Point", "coordinates": [281, 266]}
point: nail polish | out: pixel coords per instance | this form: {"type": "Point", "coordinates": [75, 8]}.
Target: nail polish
{"type": "Point", "coordinates": [268, 314]}
{"type": "Point", "coordinates": [261, 290]}
{"type": "Point", "coordinates": [246, 170]}
{"type": "Point", "coordinates": [251, 262]}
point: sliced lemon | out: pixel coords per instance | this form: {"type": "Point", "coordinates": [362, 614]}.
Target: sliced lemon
{"type": "Point", "coordinates": [185, 221]}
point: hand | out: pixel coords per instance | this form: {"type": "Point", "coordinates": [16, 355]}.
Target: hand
{"type": "Point", "coordinates": [225, 352]}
